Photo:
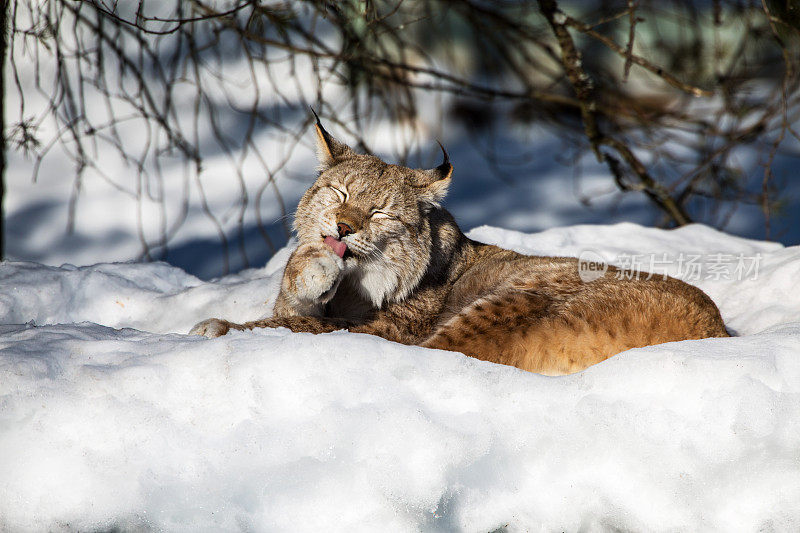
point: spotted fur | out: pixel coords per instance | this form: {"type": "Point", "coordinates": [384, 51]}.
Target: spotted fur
{"type": "Point", "coordinates": [411, 276]}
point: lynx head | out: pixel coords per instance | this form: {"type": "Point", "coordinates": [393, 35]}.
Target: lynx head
{"type": "Point", "coordinates": [374, 215]}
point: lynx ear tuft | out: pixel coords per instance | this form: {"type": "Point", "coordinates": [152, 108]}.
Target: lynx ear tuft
{"type": "Point", "coordinates": [436, 181]}
{"type": "Point", "coordinates": [329, 150]}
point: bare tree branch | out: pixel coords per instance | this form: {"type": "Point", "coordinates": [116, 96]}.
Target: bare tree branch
{"type": "Point", "coordinates": [205, 80]}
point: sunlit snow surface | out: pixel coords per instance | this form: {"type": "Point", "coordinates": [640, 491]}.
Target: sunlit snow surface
{"type": "Point", "coordinates": [111, 417]}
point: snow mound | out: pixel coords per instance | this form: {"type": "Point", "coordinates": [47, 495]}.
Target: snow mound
{"type": "Point", "coordinates": [148, 428]}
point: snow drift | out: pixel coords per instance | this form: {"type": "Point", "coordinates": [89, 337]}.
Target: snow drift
{"type": "Point", "coordinates": [112, 417]}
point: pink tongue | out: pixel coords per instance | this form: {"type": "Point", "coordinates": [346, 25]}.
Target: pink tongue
{"type": "Point", "coordinates": [336, 245]}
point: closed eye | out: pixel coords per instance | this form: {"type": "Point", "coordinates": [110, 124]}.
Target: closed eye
{"type": "Point", "coordinates": [340, 193]}
{"type": "Point", "coordinates": [378, 215]}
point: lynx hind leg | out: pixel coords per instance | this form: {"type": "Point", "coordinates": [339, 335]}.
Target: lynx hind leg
{"type": "Point", "coordinates": [532, 331]}
{"type": "Point", "coordinates": [540, 334]}
{"type": "Point", "coordinates": [494, 328]}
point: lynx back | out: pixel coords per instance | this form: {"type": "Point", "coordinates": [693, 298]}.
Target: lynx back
{"type": "Point", "coordinates": [378, 254]}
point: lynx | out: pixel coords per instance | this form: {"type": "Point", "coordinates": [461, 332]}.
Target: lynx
{"type": "Point", "coordinates": [378, 254]}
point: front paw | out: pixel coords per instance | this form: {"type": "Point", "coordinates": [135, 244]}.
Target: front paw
{"type": "Point", "coordinates": [212, 327]}
{"type": "Point", "coordinates": [313, 274]}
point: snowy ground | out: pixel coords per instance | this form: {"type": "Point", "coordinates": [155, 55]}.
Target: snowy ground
{"type": "Point", "coordinates": [111, 417]}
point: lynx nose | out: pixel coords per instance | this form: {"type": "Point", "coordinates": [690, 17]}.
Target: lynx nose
{"type": "Point", "coordinates": [344, 229]}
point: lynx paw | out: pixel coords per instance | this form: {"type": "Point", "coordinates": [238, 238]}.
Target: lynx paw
{"type": "Point", "coordinates": [212, 327]}
{"type": "Point", "coordinates": [313, 274]}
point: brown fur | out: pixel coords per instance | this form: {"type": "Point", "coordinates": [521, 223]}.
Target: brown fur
{"type": "Point", "coordinates": [413, 277]}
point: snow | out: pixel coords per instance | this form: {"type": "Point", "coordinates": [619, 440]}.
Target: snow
{"type": "Point", "coordinates": [111, 417]}
{"type": "Point", "coordinates": [523, 178]}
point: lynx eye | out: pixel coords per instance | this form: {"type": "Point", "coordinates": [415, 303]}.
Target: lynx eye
{"type": "Point", "coordinates": [377, 215]}
{"type": "Point", "coordinates": [340, 193]}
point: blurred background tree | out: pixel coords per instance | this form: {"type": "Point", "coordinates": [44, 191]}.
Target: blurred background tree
{"type": "Point", "coordinates": [688, 103]}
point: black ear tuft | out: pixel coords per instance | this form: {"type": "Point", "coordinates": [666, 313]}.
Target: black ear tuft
{"type": "Point", "coordinates": [433, 183]}
{"type": "Point", "coordinates": [445, 169]}
{"type": "Point", "coordinates": [442, 172]}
